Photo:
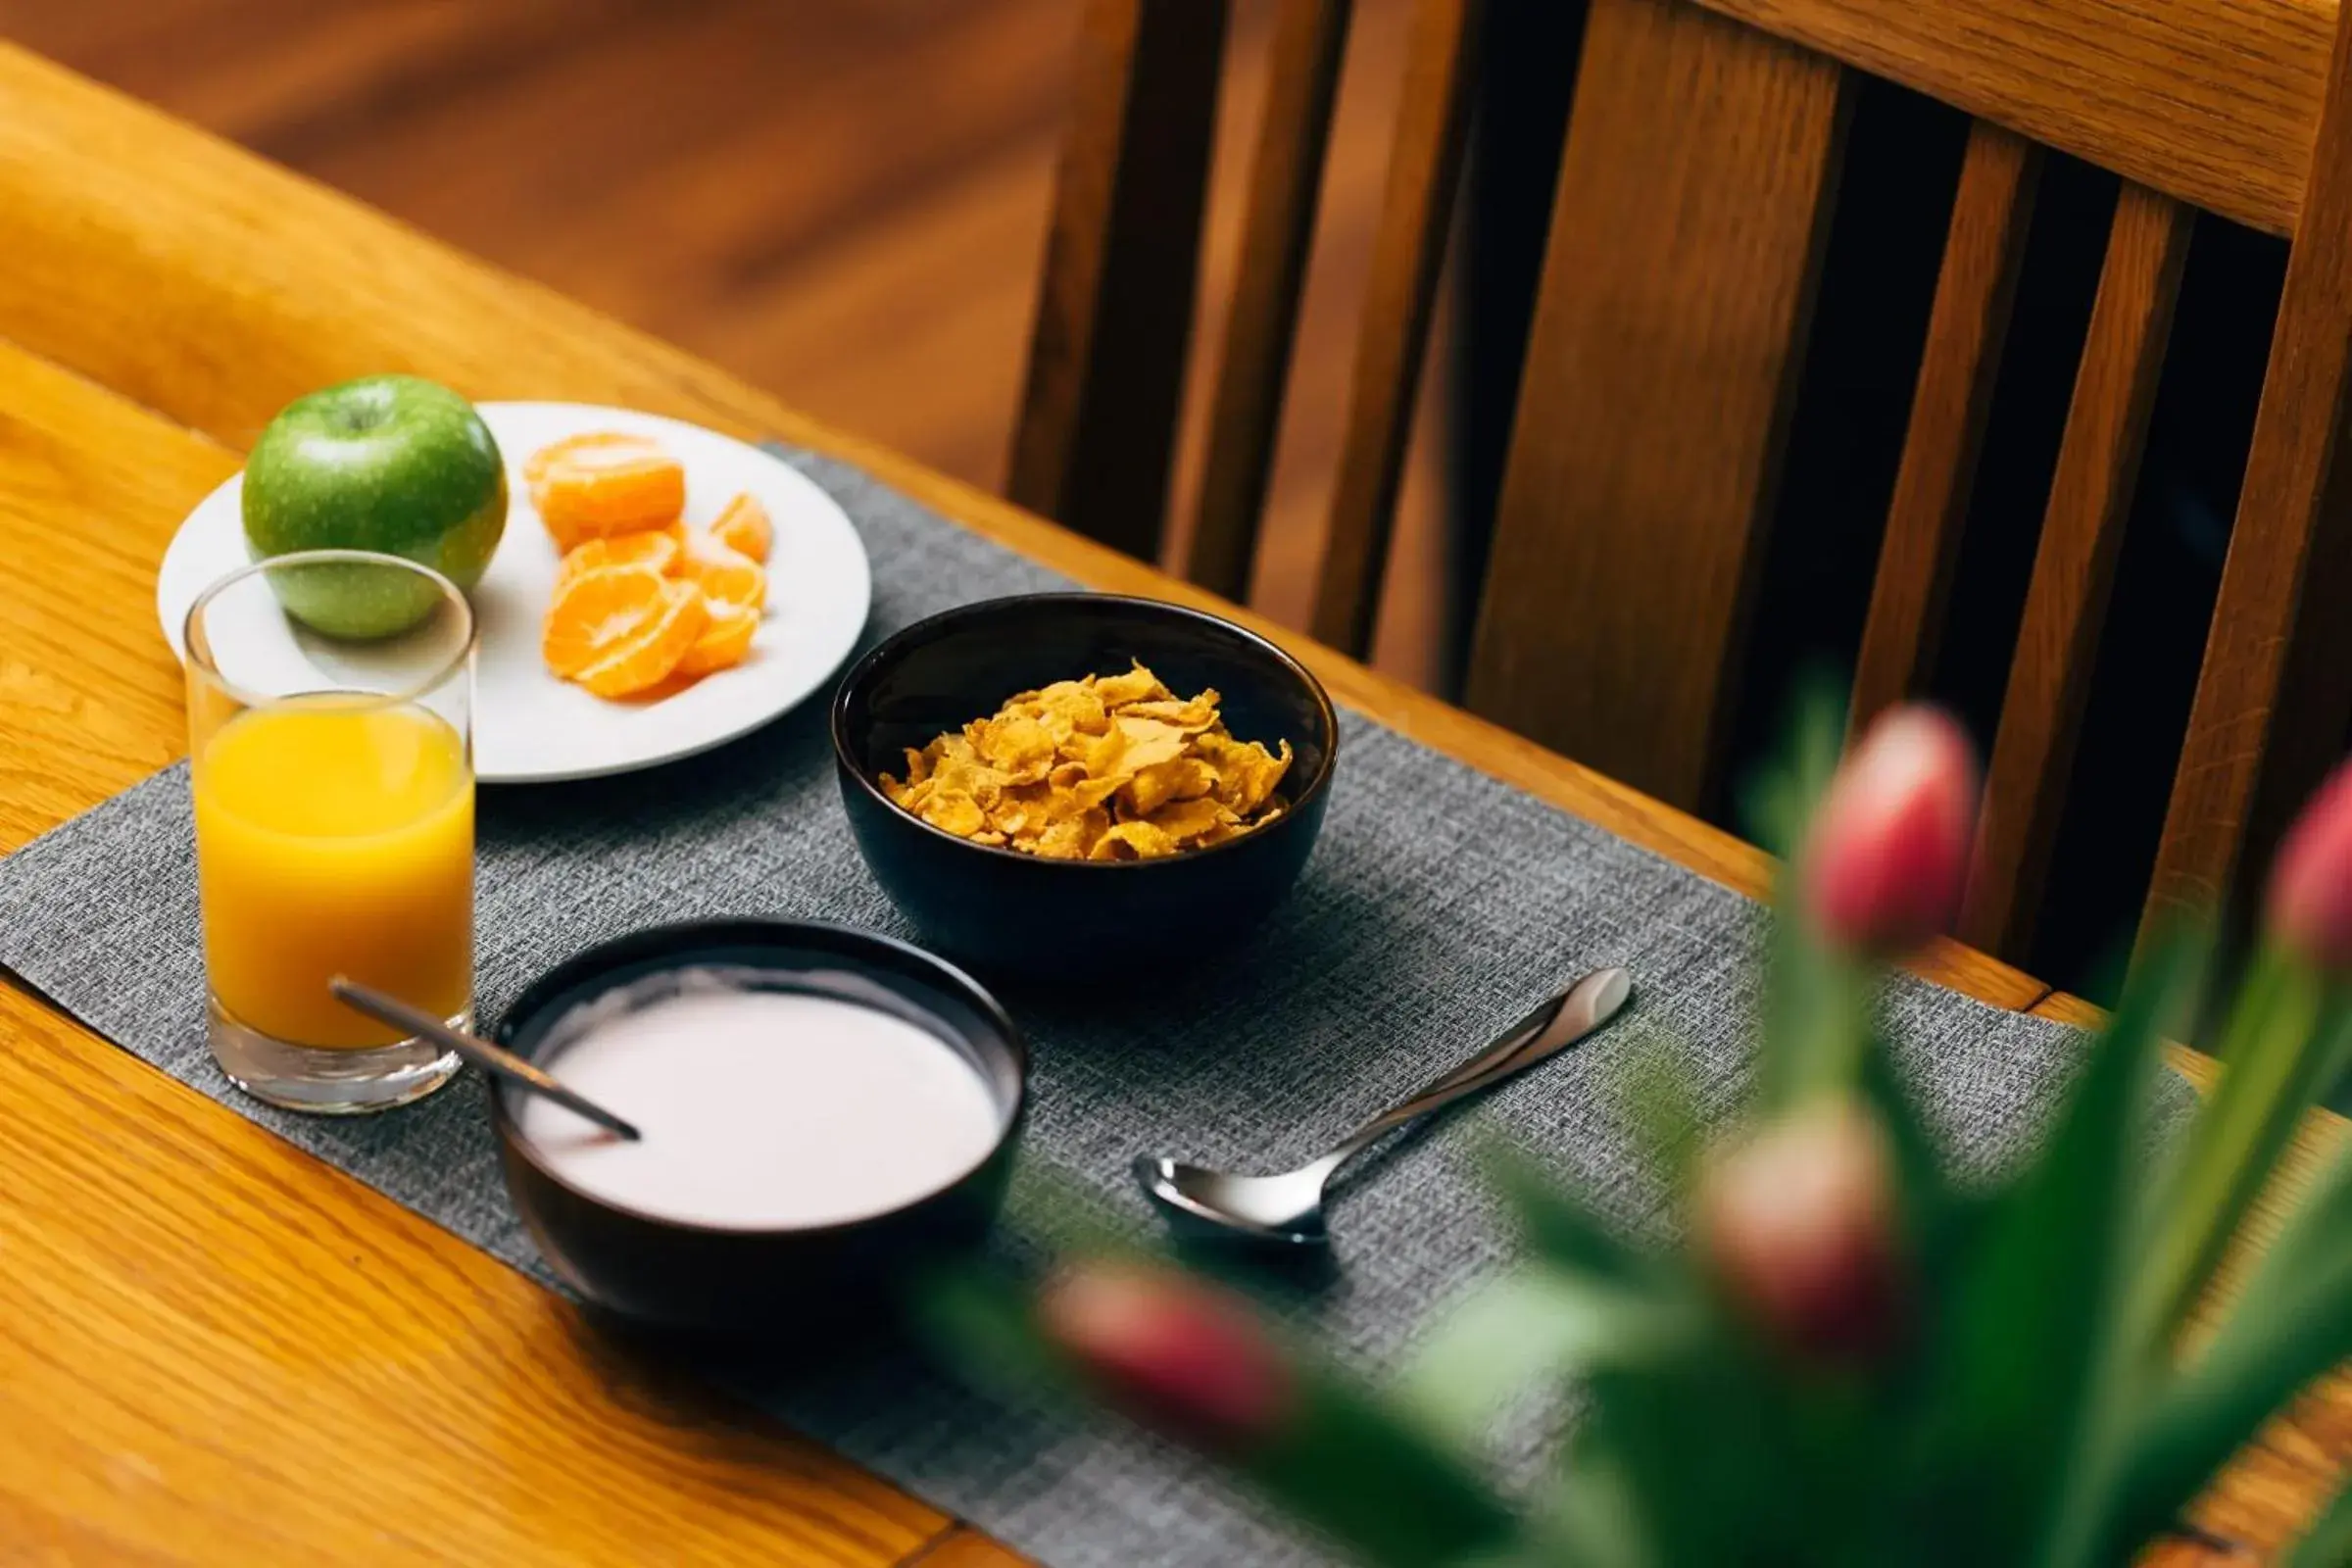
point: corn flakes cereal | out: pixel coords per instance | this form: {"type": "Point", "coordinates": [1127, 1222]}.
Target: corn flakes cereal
{"type": "Point", "coordinates": [1112, 767]}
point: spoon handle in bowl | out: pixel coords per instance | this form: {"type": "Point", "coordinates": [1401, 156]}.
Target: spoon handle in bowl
{"type": "Point", "coordinates": [399, 1015]}
{"type": "Point", "coordinates": [1542, 1035]}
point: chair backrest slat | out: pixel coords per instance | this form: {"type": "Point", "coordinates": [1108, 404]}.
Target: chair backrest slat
{"type": "Point", "coordinates": [2212, 101]}
{"type": "Point", "coordinates": [1661, 371]}
{"type": "Point", "coordinates": [2074, 567]}
{"type": "Point", "coordinates": [1408, 257]}
{"type": "Point", "coordinates": [2275, 695]}
{"type": "Point", "coordinates": [1705, 148]}
{"type": "Point", "coordinates": [1967, 328]}
{"type": "Point", "coordinates": [1097, 431]}
{"type": "Point", "coordinates": [1286, 179]}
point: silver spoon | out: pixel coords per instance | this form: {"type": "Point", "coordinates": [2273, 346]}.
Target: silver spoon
{"type": "Point", "coordinates": [398, 1015]}
{"type": "Point", "coordinates": [1290, 1207]}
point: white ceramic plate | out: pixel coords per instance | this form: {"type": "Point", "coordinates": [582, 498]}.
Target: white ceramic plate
{"type": "Point", "coordinates": [529, 727]}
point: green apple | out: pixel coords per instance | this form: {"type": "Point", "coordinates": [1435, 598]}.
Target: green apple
{"type": "Point", "coordinates": [393, 463]}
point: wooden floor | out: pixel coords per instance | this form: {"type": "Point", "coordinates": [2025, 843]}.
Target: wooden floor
{"type": "Point", "coordinates": [841, 199]}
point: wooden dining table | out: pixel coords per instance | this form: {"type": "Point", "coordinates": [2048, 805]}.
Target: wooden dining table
{"type": "Point", "coordinates": [217, 1348]}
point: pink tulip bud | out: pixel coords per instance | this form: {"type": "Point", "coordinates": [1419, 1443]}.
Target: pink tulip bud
{"type": "Point", "coordinates": [1799, 1223]}
{"type": "Point", "coordinates": [1887, 860]}
{"type": "Point", "coordinates": [1173, 1352]}
{"type": "Point", "coordinates": [2311, 882]}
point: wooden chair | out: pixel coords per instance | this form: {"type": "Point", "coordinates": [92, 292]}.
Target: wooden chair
{"type": "Point", "coordinates": [1699, 176]}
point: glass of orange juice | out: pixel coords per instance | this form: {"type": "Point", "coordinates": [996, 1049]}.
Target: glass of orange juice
{"type": "Point", "coordinates": [330, 698]}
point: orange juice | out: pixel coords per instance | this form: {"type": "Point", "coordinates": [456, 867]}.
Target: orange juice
{"type": "Point", "coordinates": [335, 835]}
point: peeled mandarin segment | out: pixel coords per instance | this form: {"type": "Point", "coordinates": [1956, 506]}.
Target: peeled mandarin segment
{"type": "Point", "coordinates": [605, 483]}
{"type": "Point", "coordinates": [744, 529]}
{"type": "Point", "coordinates": [658, 548]}
{"type": "Point", "coordinates": [724, 642]}
{"type": "Point", "coordinates": [650, 656]}
{"type": "Point", "coordinates": [597, 612]}
{"type": "Point", "coordinates": [725, 574]}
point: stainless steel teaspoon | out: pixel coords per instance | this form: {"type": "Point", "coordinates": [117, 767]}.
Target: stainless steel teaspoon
{"type": "Point", "coordinates": [1288, 1208]}
{"type": "Point", "coordinates": [399, 1015]}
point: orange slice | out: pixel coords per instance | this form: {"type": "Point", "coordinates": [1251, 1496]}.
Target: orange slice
{"type": "Point", "coordinates": [658, 548]}
{"type": "Point", "coordinates": [744, 528]}
{"type": "Point", "coordinates": [648, 656]}
{"type": "Point", "coordinates": [724, 641]}
{"type": "Point", "coordinates": [596, 613]}
{"type": "Point", "coordinates": [604, 483]}
{"type": "Point", "coordinates": [725, 574]}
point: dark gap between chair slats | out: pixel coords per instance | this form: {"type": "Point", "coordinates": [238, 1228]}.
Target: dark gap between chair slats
{"type": "Point", "coordinates": [2165, 579]}
{"type": "Point", "coordinates": [1311, 431]}
{"type": "Point", "coordinates": [1527, 64]}
{"type": "Point", "coordinates": [1093, 446]}
{"type": "Point", "coordinates": [1869, 322]}
{"type": "Point", "coordinates": [1416, 619]}
{"type": "Point", "coordinates": [2082, 536]}
{"type": "Point", "coordinates": [2047, 326]}
{"type": "Point", "coordinates": [1968, 328]}
{"type": "Point", "coordinates": [1408, 258]}
{"type": "Point", "coordinates": [1284, 186]}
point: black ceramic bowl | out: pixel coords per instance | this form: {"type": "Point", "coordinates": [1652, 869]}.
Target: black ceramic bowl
{"type": "Point", "coordinates": [1004, 911]}
{"type": "Point", "coordinates": [680, 1275]}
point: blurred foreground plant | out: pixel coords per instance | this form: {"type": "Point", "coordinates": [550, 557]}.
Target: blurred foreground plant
{"type": "Point", "coordinates": [1853, 1358]}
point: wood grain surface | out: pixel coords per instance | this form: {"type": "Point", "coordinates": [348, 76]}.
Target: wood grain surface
{"type": "Point", "coordinates": [1097, 437]}
{"type": "Point", "coordinates": [2074, 567]}
{"type": "Point", "coordinates": [2275, 694]}
{"type": "Point", "coordinates": [741, 177]}
{"type": "Point", "coordinates": [222, 1350]}
{"type": "Point", "coordinates": [1417, 219]}
{"type": "Point", "coordinates": [2282, 1479]}
{"type": "Point", "coordinates": [1261, 324]}
{"type": "Point", "coordinates": [744, 179]}
{"type": "Point", "coordinates": [1414, 621]}
{"type": "Point", "coordinates": [2215, 102]}
{"type": "Point", "coordinates": [966, 1547]}
{"type": "Point", "coordinates": [1661, 372]}
{"type": "Point", "coordinates": [101, 204]}
{"type": "Point", "coordinates": [1968, 326]}
{"type": "Point", "coordinates": [197, 1318]}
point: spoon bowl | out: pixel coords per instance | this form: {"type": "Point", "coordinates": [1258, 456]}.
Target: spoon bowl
{"type": "Point", "coordinates": [1287, 1209]}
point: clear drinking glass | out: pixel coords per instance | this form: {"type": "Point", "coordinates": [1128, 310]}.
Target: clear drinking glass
{"type": "Point", "coordinates": [331, 705]}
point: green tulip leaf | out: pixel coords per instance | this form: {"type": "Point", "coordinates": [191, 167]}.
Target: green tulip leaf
{"type": "Point", "coordinates": [1347, 1461]}
{"type": "Point", "coordinates": [1816, 1016]}
{"type": "Point", "coordinates": [1530, 1331]}
{"type": "Point", "coordinates": [1937, 1214]}
{"type": "Point", "coordinates": [2032, 1409]}
{"type": "Point", "coordinates": [1376, 1480]}
{"type": "Point", "coordinates": [1560, 1234]}
{"type": "Point", "coordinates": [2293, 1324]}
{"type": "Point", "coordinates": [1590, 1515]}
{"type": "Point", "coordinates": [1777, 803]}
{"type": "Point", "coordinates": [1661, 1103]}
{"type": "Point", "coordinates": [2019, 1351]}
{"type": "Point", "coordinates": [2286, 1035]}
{"type": "Point", "coordinates": [2328, 1545]}
{"type": "Point", "coordinates": [982, 1323]}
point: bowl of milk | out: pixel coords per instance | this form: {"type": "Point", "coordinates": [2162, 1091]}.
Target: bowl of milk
{"type": "Point", "coordinates": [823, 1111]}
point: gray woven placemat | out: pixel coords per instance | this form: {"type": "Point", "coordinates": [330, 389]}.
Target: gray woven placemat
{"type": "Point", "coordinates": [1439, 905]}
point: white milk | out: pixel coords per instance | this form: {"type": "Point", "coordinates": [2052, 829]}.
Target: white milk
{"type": "Point", "coordinates": [763, 1110]}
